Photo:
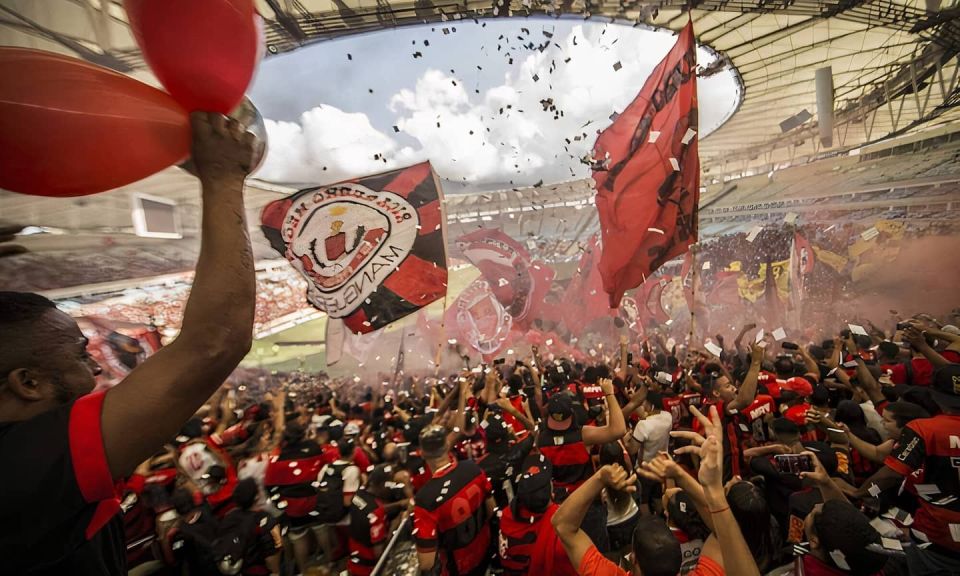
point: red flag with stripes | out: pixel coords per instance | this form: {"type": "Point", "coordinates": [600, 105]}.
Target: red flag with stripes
{"type": "Point", "coordinates": [372, 249]}
{"type": "Point", "coordinates": [647, 173]}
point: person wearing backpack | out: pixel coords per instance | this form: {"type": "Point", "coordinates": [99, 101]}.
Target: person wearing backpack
{"type": "Point", "coordinates": [369, 528]}
{"type": "Point", "coordinates": [336, 484]}
{"type": "Point", "coordinates": [248, 540]}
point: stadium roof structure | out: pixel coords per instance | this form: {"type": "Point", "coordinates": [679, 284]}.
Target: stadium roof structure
{"type": "Point", "coordinates": [894, 62]}
{"type": "Point", "coordinates": [894, 67]}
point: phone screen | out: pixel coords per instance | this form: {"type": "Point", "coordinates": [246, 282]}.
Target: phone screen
{"type": "Point", "coordinates": [793, 463]}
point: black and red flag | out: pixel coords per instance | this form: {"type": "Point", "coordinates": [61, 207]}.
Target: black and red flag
{"type": "Point", "coordinates": [520, 283]}
{"type": "Point", "coordinates": [372, 249]}
{"type": "Point", "coordinates": [647, 174]}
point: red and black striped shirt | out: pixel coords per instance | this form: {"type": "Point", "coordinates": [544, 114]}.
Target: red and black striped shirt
{"type": "Point", "coordinates": [571, 461]}
{"type": "Point", "coordinates": [529, 545]}
{"type": "Point", "coordinates": [290, 478]}
{"type": "Point", "coordinates": [450, 517]}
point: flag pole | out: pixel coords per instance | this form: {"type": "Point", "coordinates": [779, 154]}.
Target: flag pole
{"type": "Point", "coordinates": [443, 335]}
{"type": "Point", "coordinates": [693, 297]}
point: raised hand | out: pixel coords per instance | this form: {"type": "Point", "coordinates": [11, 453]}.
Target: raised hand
{"type": "Point", "coordinates": [606, 385]}
{"type": "Point", "coordinates": [711, 463]}
{"type": "Point", "coordinates": [661, 468]}
{"type": "Point", "coordinates": [616, 478]}
{"type": "Point", "coordinates": [222, 148]}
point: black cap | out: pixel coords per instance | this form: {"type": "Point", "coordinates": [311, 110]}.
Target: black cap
{"type": "Point", "coordinates": [845, 535]}
{"type": "Point", "coordinates": [535, 474]}
{"type": "Point", "coordinates": [495, 428]}
{"type": "Point", "coordinates": [946, 387]}
{"type": "Point", "coordinates": [560, 411]}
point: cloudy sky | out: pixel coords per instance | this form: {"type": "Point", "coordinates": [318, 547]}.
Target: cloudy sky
{"type": "Point", "coordinates": [481, 101]}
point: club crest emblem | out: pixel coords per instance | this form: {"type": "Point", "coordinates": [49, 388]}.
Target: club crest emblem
{"type": "Point", "coordinates": [346, 239]}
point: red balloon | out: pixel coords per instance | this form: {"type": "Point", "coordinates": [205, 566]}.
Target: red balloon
{"type": "Point", "coordinates": [204, 52]}
{"type": "Point", "coordinates": [71, 128]}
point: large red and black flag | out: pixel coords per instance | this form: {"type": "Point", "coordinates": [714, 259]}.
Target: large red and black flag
{"type": "Point", "coordinates": [372, 249]}
{"type": "Point", "coordinates": [647, 174]}
{"type": "Point", "coordinates": [520, 283]}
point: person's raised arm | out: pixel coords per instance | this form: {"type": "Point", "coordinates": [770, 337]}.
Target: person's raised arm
{"type": "Point", "coordinates": [743, 332]}
{"type": "Point", "coordinates": [824, 483]}
{"type": "Point", "coordinates": [809, 363]}
{"type": "Point", "coordinates": [865, 379]}
{"type": "Point", "coordinates": [637, 398]}
{"type": "Point", "coordinates": [508, 408]}
{"type": "Point", "coordinates": [918, 341]}
{"type": "Point", "coordinates": [615, 428]}
{"type": "Point", "coordinates": [217, 328]}
{"type": "Point", "coordinates": [735, 554]}
{"type": "Point", "coordinates": [569, 516]}
{"type": "Point", "coordinates": [748, 390]}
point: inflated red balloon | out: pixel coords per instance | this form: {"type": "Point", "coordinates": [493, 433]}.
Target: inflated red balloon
{"type": "Point", "coordinates": [204, 52]}
{"type": "Point", "coordinates": [70, 128]}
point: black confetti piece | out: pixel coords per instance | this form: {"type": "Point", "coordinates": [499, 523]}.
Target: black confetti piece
{"type": "Point", "coordinates": [617, 66]}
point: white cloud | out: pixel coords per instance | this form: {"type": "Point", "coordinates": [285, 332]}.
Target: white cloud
{"type": "Point", "coordinates": [504, 134]}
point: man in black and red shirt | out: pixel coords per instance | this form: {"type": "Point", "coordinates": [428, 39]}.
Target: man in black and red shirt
{"type": "Point", "coordinates": [565, 443]}
{"type": "Point", "coordinates": [58, 438]}
{"type": "Point", "coordinates": [451, 519]}
{"type": "Point", "coordinates": [290, 480]}
{"type": "Point", "coordinates": [930, 448]}
{"type": "Point", "coordinates": [368, 523]}
{"type": "Point", "coordinates": [528, 543]}
{"type": "Point", "coordinates": [719, 390]}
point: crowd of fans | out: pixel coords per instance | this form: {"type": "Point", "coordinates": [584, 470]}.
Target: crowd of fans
{"type": "Point", "coordinates": [832, 457]}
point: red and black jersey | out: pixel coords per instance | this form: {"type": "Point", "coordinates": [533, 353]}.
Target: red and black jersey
{"type": "Point", "coordinates": [529, 544]}
{"type": "Point", "coordinates": [290, 478]}
{"type": "Point", "coordinates": [472, 447]}
{"type": "Point", "coordinates": [572, 465]}
{"type": "Point", "coordinates": [592, 393]}
{"type": "Point", "coordinates": [933, 446]}
{"type": "Point", "coordinates": [59, 503]}
{"type": "Point", "coordinates": [450, 518]}
{"type": "Point", "coordinates": [677, 409]}
{"type": "Point", "coordinates": [920, 371]}
{"type": "Point", "coordinates": [236, 434]}
{"type": "Point", "coordinates": [751, 424]}
{"type": "Point", "coordinates": [516, 425]}
{"type": "Point", "coordinates": [329, 453]}
{"type": "Point", "coordinates": [419, 470]}
{"type": "Point", "coordinates": [368, 529]}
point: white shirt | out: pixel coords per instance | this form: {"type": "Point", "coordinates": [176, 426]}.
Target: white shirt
{"type": "Point", "coordinates": [351, 477]}
{"type": "Point", "coordinates": [654, 434]}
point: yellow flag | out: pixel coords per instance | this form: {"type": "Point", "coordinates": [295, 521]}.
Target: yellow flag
{"type": "Point", "coordinates": [831, 259]}
{"type": "Point", "coordinates": [752, 288]}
